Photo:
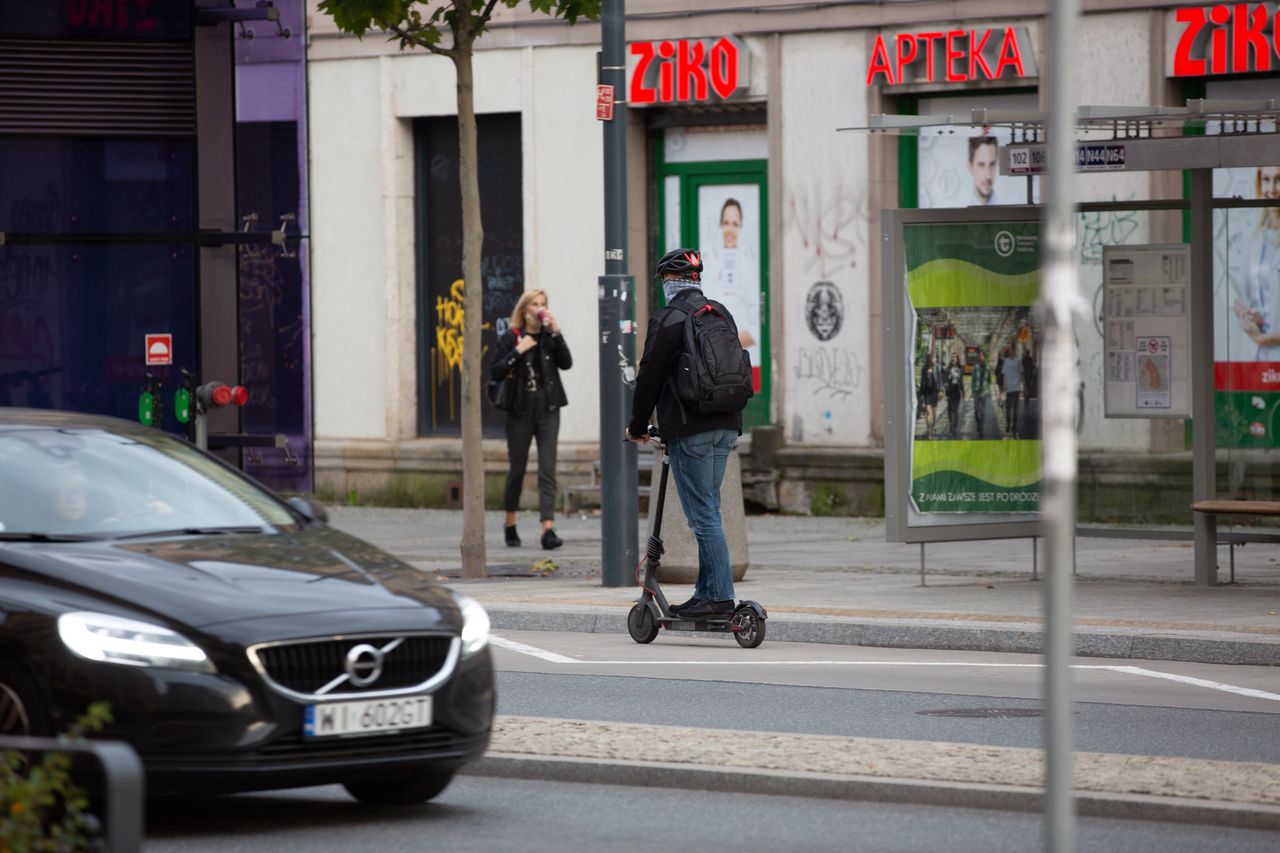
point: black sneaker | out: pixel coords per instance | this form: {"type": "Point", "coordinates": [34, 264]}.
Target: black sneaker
{"type": "Point", "coordinates": [513, 538]}
{"type": "Point", "coordinates": [550, 539]}
{"type": "Point", "coordinates": [676, 608]}
{"type": "Point", "coordinates": [705, 609]}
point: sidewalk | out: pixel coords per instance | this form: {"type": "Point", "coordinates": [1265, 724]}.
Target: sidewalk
{"type": "Point", "coordinates": [835, 580]}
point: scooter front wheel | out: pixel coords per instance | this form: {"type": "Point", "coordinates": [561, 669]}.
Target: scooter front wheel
{"type": "Point", "coordinates": [641, 624]}
{"type": "Point", "coordinates": [748, 627]}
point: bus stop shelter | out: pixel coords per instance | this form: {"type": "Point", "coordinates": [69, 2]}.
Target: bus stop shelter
{"type": "Point", "coordinates": [1194, 139]}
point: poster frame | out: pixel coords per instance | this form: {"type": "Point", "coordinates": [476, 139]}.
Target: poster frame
{"type": "Point", "coordinates": [899, 422]}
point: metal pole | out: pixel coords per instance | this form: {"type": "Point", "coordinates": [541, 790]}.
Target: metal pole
{"type": "Point", "coordinates": [1203, 416]}
{"type": "Point", "coordinates": [1060, 298]}
{"type": "Point", "coordinates": [618, 478]}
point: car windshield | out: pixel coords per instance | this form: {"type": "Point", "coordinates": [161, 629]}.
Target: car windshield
{"type": "Point", "coordinates": [98, 483]}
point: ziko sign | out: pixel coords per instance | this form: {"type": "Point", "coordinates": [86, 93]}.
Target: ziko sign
{"type": "Point", "coordinates": [1224, 39]}
{"type": "Point", "coordinates": [687, 70]}
{"type": "Point", "coordinates": [952, 56]}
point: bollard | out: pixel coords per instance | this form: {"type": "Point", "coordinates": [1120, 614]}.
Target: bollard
{"type": "Point", "coordinates": [680, 559]}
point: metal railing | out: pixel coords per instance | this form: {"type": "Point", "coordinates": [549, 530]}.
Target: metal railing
{"type": "Point", "coordinates": [123, 790]}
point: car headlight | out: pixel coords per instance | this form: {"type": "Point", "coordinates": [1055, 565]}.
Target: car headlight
{"type": "Point", "coordinates": [113, 639]}
{"type": "Point", "coordinates": [475, 624]}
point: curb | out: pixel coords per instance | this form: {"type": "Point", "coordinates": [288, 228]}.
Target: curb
{"type": "Point", "coordinates": [904, 635]}
{"type": "Point", "coordinates": [868, 788]}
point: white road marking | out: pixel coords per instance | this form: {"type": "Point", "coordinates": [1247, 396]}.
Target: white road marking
{"type": "Point", "coordinates": [1187, 679]}
{"type": "Point", "coordinates": [534, 651]}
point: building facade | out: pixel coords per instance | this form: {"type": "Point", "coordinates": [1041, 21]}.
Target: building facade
{"type": "Point", "coordinates": [734, 145]}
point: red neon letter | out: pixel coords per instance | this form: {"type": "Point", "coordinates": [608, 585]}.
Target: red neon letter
{"type": "Point", "coordinates": [1221, 16]}
{"type": "Point", "coordinates": [954, 53]}
{"type": "Point", "coordinates": [640, 93]}
{"type": "Point", "coordinates": [880, 63]}
{"type": "Point", "coordinates": [666, 50]}
{"type": "Point", "coordinates": [724, 68]}
{"type": "Point", "coordinates": [929, 39]}
{"type": "Point", "coordinates": [689, 67]}
{"type": "Point", "coordinates": [976, 60]}
{"type": "Point", "coordinates": [1009, 54]}
{"type": "Point", "coordinates": [1183, 63]}
{"type": "Point", "coordinates": [1247, 33]}
{"type": "Point", "coordinates": [906, 49]}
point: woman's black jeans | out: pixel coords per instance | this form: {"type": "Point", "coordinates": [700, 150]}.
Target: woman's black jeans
{"type": "Point", "coordinates": [536, 422]}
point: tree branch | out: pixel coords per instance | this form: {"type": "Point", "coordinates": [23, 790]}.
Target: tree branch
{"type": "Point", "coordinates": [407, 35]}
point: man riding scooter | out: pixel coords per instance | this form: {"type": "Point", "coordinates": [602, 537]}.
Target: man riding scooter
{"type": "Point", "coordinates": [698, 426]}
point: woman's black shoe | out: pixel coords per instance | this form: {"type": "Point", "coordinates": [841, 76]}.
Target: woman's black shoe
{"type": "Point", "coordinates": [513, 538]}
{"type": "Point", "coordinates": [550, 539]}
{"type": "Point", "coordinates": [676, 608]}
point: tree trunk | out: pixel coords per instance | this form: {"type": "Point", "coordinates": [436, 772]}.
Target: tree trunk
{"type": "Point", "coordinates": [472, 546]}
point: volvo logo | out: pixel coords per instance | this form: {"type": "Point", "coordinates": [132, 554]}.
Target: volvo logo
{"type": "Point", "coordinates": [363, 664]}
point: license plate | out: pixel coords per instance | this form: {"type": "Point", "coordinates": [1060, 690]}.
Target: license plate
{"type": "Point", "coordinates": [371, 716]}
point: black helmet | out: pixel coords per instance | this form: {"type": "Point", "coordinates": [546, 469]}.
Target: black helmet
{"type": "Point", "coordinates": [686, 263]}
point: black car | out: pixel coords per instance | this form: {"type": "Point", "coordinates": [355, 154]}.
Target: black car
{"type": "Point", "coordinates": [241, 642]}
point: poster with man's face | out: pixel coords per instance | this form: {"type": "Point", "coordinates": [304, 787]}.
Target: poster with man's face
{"type": "Point", "coordinates": [729, 237]}
{"type": "Point", "coordinates": [959, 166]}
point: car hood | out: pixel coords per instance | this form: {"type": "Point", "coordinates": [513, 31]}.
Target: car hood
{"type": "Point", "coordinates": [206, 580]}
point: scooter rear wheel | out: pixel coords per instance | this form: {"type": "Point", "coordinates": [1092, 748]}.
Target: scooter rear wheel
{"type": "Point", "coordinates": [641, 625]}
{"type": "Point", "coordinates": [749, 628]}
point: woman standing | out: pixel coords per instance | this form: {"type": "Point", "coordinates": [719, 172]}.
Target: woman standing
{"type": "Point", "coordinates": [535, 353]}
{"type": "Point", "coordinates": [927, 394]}
{"type": "Point", "coordinates": [955, 393]}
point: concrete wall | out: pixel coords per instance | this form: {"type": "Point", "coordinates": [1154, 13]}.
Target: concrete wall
{"type": "Point", "coordinates": [825, 232]}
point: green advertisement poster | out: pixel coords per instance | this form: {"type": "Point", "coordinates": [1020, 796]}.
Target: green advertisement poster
{"type": "Point", "coordinates": [974, 355]}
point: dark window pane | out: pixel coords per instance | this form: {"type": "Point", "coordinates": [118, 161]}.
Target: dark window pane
{"type": "Point", "coordinates": [73, 321]}
{"type": "Point", "coordinates": [78, 186]}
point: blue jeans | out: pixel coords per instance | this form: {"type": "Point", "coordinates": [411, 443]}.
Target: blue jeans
{"type": "Point", "coordinates": [698, 462]}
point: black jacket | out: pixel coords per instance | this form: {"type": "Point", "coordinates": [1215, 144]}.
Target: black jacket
{"type": "Point", "coordinates": [555, 356]}
{"type": "Point", "coordinates": [665, 341]}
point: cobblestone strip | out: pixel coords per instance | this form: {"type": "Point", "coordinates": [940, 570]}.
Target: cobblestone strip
{"type": "Point", "coordinates": [1106, 773]}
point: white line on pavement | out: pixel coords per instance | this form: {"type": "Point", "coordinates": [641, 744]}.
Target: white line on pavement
{"type": "Point", "coordinates": [1187, 679]}
{"type": "Point", "coordinates": [536, 652]}
{"type": "Point", "coordinates": [532, 651]}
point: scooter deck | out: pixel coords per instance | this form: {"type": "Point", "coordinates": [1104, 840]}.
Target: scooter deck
{"type": "Point", "coordinates": [675, 623]}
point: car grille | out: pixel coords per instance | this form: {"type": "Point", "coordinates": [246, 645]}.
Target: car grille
{"type": "Point", "coordinates": [306, 667]}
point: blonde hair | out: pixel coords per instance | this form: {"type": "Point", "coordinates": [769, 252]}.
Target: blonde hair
{"type": "Point", "coordinates": [517, 313]}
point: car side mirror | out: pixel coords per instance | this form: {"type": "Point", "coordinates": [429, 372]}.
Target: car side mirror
{"type": "Point", "coordinates": [312, 511]}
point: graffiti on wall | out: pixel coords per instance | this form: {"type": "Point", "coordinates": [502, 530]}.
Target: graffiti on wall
{"type": "Point", "coordinates": [828, 221]}
{"type": "Point", "coordinates": [824, 310]}
{"type": "Point", "coordinates": [451, 316]}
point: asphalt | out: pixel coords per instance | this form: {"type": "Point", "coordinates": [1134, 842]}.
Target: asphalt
{"type": "Point", "coordinates": [835, 580]}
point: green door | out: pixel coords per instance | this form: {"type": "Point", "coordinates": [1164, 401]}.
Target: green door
{"type": "Point", "coordinates": [721, 208]}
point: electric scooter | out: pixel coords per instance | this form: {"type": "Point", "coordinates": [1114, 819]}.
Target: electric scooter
{"type": "Point", "coordinates": [652, 611]}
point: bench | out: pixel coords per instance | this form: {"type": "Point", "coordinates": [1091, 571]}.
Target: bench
{"type": "Point", "coordinates": [1230, 507]}
{"type": "Point", "coordinates": [593, 484]}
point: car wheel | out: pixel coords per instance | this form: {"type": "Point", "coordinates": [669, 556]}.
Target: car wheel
{"type": "Point", "coordinates": [22, 712]}
{"type": "Point", "coordinates": [400, 792]}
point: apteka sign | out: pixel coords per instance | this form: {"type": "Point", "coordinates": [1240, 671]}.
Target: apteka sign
{"type": "Point", "coordinates": [952, 56]}
{"type": "Point", "coordinates": [1226, 39]}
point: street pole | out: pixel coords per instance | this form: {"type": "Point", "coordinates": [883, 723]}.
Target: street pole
{"type": "Point", "coordinates": [616, 295]}
{"type": "Point", "coordinates": [1060, 299]}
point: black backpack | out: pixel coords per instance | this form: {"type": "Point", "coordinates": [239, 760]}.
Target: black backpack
{"type": "Point", "coordinates": [713, 371]}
